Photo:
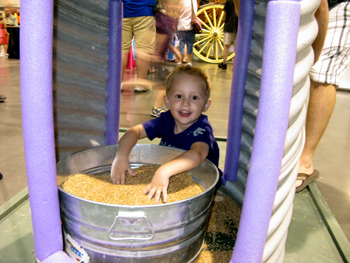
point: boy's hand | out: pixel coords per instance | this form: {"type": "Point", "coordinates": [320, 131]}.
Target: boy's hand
{"type": "Point", "coordinates": [121, 161]}
{"type": "Point", "coordinates": [119, 166]}
{"type": "Point", "coordinates": [184, 162]}
{"type": "Point", "coordinates": [157, 187]}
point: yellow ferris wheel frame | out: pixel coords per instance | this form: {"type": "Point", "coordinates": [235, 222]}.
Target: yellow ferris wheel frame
{"type": "Point", "coordinates": [209, 44]}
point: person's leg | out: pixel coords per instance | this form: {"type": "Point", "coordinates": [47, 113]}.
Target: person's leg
{"type": "Point", "coordinates": [225, 53]}
{"type": "Point", "coordinates": [175, 51]}
{"type": "Point", "coordinates": [189, 59]}
{"type": "Point", "coordinates": [124, 63]}
{"type": "Point", "coordinates": [159, 100]}
{"type": "Point", "coordinates": [142, 63]}
{"type": "Point", "coordinates": [4, 39]}
{"type": "Point", "coordinates": [184, 60]}
{"type": "Point", "coordinates": [182, 38]}
{"type": "Point", "coordinates": [2, 50]}
{"type": "Point", "coordinates": [8, 41]}
{"type": "Point", "coordinates": [190, 40]}
{"type": "Point", "coordinates": [157, 108]}
{"type": "Point", "coordinates": [145, 36]}
{"type": "Point", "coordinates": [184, 54]}
{"type": "Point", "coordinates": [228, 38]}
{"type": "Point", "coordinates": [126, 43]}
{"type": "Point", "coordinates": [227, 44]}
{"type": "Point", "coordinates": [321, 105]}
{"type": "Point", "coordinates": [332, 62]}
{"type": "Point", "coordinates": [162, 41]}
{"type": "Point", "coordinates": [159, 50]}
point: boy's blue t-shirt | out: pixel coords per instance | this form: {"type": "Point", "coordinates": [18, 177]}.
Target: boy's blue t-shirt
{"type": "Point", "coordinates": [133, 8]}
{"type": "Point", "coordinates": [200, 131]}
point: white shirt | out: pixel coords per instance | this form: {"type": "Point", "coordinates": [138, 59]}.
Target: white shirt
{"type": "Point", "coordinates": [185, 17]}
{"type": "Point", "coordinates": [11, 20]}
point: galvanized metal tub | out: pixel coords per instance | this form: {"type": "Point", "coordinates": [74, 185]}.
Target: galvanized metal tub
{"type": "Point", "coordinates": [172, 232]}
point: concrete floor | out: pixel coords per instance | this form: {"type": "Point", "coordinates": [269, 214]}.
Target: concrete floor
{"type": "Point", "coordinates": [331, 159]}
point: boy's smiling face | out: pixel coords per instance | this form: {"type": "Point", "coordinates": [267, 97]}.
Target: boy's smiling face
{"type": "Point", "coordinates": [186, 101]}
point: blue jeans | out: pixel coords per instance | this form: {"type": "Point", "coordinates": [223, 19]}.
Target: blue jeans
{"type": "Point", "coordinates": [188, 38]}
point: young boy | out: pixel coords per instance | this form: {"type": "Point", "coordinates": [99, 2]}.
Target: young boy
{"type": "Point", "coordinates": [182, 126]}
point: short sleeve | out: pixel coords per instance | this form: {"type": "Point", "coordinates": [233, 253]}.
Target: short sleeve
{"type": "Point", "coordinates": [155, 128]}
{"type": "Point", "coordinates": [202, 134]}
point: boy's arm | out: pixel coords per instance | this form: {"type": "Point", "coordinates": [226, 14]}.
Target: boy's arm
{"type": "Point", "coordinates": [121, 161]}
{"type": "Point", "coordinates": [184, 162]}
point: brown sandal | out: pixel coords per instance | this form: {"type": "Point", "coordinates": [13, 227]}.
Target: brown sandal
{"type": "Point", "coordinates": [307, 179]}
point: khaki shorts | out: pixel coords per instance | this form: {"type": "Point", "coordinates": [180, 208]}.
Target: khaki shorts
{"type": "Point", "coordinates": [229, 38]}
{"type": "Point", "coordinates": [143, 28]}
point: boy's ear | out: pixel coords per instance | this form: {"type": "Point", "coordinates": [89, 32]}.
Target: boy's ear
{"type": "Point", "coordinates": [166, 101]}
{"type": "Point", "coordinates": [207, 105]}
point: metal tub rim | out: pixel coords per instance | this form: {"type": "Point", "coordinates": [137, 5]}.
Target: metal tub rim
{"type": "Point", "coordinates": [208, 189]}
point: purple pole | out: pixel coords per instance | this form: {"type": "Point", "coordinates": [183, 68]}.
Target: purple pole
{"type": "Point", "coordinates": [280, 48]}
{"type": "Point", "coordinates": [38, 128]}
{"type": "Point", "coordinates": [114, 71]}
{"type": "Point", "coordinates": [234, 133]}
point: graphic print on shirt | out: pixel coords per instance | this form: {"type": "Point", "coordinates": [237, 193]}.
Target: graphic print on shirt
{"type": "Point", "coordinates": [198, 131]}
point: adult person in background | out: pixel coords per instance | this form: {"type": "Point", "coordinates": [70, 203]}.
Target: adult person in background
{"type": "Point", "coordinates": [166, 23]}
{"type": "Point", "coordinates": [331, 59]}
{"type": "Point", "coordinates": [10, 19]}
{"type": "Point", "coordinates": [139, 22]}
{"type": "Point", "coordinates": [185, 32]}
{"type": "Point", "coordinates": [230, 30]}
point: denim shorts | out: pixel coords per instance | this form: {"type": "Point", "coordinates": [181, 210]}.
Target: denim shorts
{"type": "Point", "coordinates": [188, 38]}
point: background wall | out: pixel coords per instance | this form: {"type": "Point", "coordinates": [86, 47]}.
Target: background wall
{"type": "Point", "coordinates": [14, 3]}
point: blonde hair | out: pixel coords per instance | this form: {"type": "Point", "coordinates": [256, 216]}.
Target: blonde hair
{"type": "Point", "coordinates": [191, 71]}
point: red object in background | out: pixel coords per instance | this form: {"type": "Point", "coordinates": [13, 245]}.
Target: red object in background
{"type": "Point", "coordinates": [131, 60]}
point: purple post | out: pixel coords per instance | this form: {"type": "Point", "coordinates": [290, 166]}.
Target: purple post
{"type": "Point", "coordinates": [114, 71]}
{"type": "Point", "coordinates": [234, 133]}
{"type": "Point", "coordinates": [38, 128]}
{"type": "Point", "coordinates": [280, 48]}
